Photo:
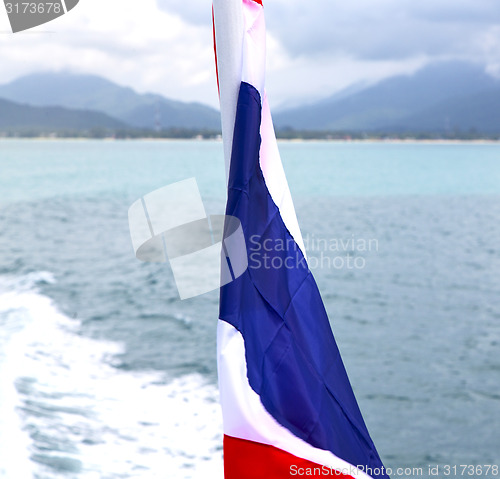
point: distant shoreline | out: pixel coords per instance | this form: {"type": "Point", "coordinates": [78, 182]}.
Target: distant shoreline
{"type": "Point", "coordinates": [287, 135]}
{"type": "Point", "coordinates": [430, 141]}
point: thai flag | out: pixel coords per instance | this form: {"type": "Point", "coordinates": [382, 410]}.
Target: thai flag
{"type": "Point", "coordinates": [288, 406]}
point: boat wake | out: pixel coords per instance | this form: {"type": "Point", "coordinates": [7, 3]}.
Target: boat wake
{"type": "Point", "coordinates": [66, 411]}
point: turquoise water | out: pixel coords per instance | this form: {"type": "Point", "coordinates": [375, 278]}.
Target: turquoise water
{"type": "Point", "coordinates": [381, 169]}
{"type": "Point", "coordinates": [105, 373]}
{"type": "Point", "coordinates": [313, 168]}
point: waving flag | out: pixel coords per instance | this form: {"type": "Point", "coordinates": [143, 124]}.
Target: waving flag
{"type": "Point", "coordinates": [288, 406]}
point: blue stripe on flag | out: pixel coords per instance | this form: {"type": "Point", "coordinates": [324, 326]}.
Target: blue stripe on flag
{"type": "Point", "coordinates": [293, 362]}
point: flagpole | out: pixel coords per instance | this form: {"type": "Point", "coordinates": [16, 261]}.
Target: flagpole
{"type": "Point", "coordinates": [228, 29]}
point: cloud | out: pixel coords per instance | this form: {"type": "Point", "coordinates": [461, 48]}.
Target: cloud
{"type": "Point", "coordinates": [129, 42]}
{"type": "Point", "coordinates": [382, 30]}
{"type": "Point", "coordinates": [314, 47]}
{"type": "Point", "coordinates": [195, 12]}
{"type": "Point", "coordinates": [368, 30]}
{"type": "Point", "coordinates": [319, 46]}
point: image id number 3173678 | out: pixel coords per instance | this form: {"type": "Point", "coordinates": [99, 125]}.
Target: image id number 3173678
{"type": "Point", "coordinates": [33, 7]}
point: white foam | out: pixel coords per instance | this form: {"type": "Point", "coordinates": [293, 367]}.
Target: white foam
{"type": "Point", "coordinates": [27, 282]}
{"type": "Point", "coordinates": [14, 442]}
{"type": "Point", "coordinates": [116, 423]}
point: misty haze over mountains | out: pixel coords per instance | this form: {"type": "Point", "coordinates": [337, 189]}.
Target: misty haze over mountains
{"type": "Point", "coordinates": [440, 98]}
{"type": "Point", "coordinates": [90, 92]}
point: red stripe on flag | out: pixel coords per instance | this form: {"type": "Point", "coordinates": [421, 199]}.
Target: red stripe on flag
{"type": "Point", "coordinates": [258, 1]}
{"type": "Point", "coordinates": [252, 460]}
{"type": "Point", "coordinates": [215, 50]}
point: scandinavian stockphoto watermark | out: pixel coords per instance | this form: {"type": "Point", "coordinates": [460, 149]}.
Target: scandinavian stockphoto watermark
{"type": "Point", "coordinates": [204, 252]}
{"type": "Point", "coordinates": [349, 251]}
{"type": "Point", "coordinates": [24, 15]}
{"type": "Point", "coordinates": [407, 472]}
{"type": "Point", "coordinates": [322, 252]}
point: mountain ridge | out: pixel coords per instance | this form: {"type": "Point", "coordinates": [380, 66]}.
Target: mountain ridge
{"type": "Point", "coordinates": [440, 98]}
{"type": "Point", "coordinates": [16, 117]}
{"type": "Point", "coordinates": [92, 92]}
{"type": "Point", "coordinates": [394, 102]}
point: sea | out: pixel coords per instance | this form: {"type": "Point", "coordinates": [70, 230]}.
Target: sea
{"type": "Point", "coordinates": [106, 374]}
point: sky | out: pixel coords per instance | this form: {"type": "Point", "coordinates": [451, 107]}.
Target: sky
{"type": "Point", "coordinates": [315, 48]}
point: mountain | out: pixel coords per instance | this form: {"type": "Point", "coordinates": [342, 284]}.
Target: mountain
{"type": "Point", "coordinates": [405, 102]}
{"type": "Point", "coordinates": [15, 117]}
{"type": "Point", "coordinates": [479, 112]}
{"type": "Point", "coordinates": [90, 92]}
{"type": "Point", "coordinates": [440, 98]}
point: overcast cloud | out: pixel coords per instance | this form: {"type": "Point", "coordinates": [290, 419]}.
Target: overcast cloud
{"type": "Point", "coordinates": [314, 47]}
{"type": "Point", "coordinates": [383, 29]}
{"type": "Point", "coordinates": [373, 29]}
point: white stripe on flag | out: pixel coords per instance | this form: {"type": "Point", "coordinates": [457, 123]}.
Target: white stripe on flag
{"type": "Point", "coordinates": [228, 18]}
{"type": "Point", "coordinates": [246, 418]}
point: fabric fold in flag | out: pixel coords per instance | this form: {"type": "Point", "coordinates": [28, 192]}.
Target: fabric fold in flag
{"type": "Point", "coordinates": [285, 394]}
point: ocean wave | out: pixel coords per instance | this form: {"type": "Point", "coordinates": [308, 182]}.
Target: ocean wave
{"type": "Point", "coordinates": [66, 412]}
